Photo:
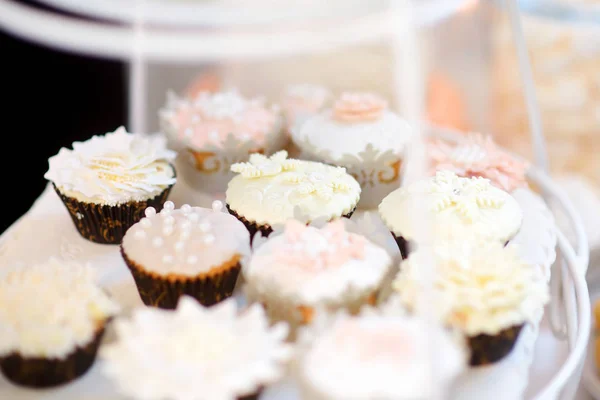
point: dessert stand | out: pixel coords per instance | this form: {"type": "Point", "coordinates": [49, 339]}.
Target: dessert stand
{"type": "Point", "coordinates": [568, 315]}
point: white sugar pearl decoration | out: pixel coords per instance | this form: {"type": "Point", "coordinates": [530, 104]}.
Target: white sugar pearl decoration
{"type": "Point", "coordinates": [204, 226]}
{"type": "Point", "coordinates": [146, 223]}
{"type": "Point", "coordinates": [140, 234]}
{"type": "Point", "coordinates": [157, 241]}
{"type": "Point", "coordinates": [217, 205]}
{"type": "Point", "coordinates": [188, 132]}
{"type": "Point", "coordinates": [179, 247]}
{"type": "Point", "coordinates": [169, 220]}
{"type": "Point", "coordinates": [209, 239]}
{"type": "Point", "coordinates": [186, 209]}
{"type": "Point", "coordinates": [150, 212]}
{"type": "Point", "coordinates": [186, 225]}
{"type": "Point", "coordinates": [168, 230]}
{"type": "Point", "coordinates": [169, 206]}
{"type": "Point", "coordinates": [167, 259]}
{"type": "Point", "coordinates": [194, 217]}
{"type": "Point", "coordinates": [184, 235]}
{"type": "Point", "coordinates": [192, 260]}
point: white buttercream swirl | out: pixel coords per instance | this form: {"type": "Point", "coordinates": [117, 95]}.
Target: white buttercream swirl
{"type": "Point", "coordinates": [114, 168]}
{"type": "Point", "coordinates": [480, 287]}
{"type": "Point", "coordinates": [379, 357]}
{"type": "Point", "coordinates": [50, 309]}
{"type": "Point", "coordinates": [194, 352]}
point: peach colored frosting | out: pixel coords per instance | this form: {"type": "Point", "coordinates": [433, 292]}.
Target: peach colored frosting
{"type": "Point", "coordinates": [209, 118]}
{"type": "Point", "coordinates": [307, 248]}
{"type": "Point", "coordinates": [479, 156]}
{"type": "Point", "coordinates": [358, 107]}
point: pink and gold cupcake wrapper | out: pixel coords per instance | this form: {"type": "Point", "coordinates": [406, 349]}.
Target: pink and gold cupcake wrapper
{"type": "Point", "coordinates": [107, 224]}
{"type": "Point", "coordinates": [164, 291]}
{"type": "Point", "coordinates": [39, 372]}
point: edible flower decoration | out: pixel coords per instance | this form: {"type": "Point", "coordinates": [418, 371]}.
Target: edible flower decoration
{"type": "Point", "coordinates": [358, 107]}
{"type": "Point", "coordinates": [260, 165]}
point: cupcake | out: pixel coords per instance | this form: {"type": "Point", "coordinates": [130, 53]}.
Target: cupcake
{"type": "Point", "coordinates": [268, 190]}
{"type": "Point", "coordinates": [362, 135]}
{"type": "Point", "coordinates": [52, 318]}
{"type": "Point", "coordinates": [306, 268]}
{"type": "Point", "coordinates": [480, 288]}
{"type": "Point", "coordinates": [214, 130]}
{"type": "Point", "coordinates": [192, 250]}
{"type": "Point", "coordinates": [108, 181]}
{"type": "Point", "coordinates": [454, 206]}
{"type": "Point", "coordinates": [301, 102]}
{"type": "Point", "coordinates": [214, 353]}
{"type": "Point", "coordinates": [384, 357]}
{"type": "Point", "coordinates": [479, 156]}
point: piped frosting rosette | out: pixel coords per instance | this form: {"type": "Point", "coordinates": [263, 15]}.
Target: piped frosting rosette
{"type": "Point", "coordinates": [212, 131]}
{"type": "Point", "coordinates": [216, 353]}
{"type": "Point", "coordinates": [382, 354]}
{"type": "Point", "coordinates": [479, 287]}
{"type": "Point", "coordinates": [360, 133]}
{"type": "Point", "coordinates": [478, 156]}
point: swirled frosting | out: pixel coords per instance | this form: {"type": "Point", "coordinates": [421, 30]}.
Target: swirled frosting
{"type": "Point", "coordinates": [195, 352]}
{"type": "Point", "coordinates": [267, 189]}
{"type": "Point", "coordinates": [355, 121]}
{"type": "Point", "coordinates": [50, 309]}
{"type": "Point", "coordinates": [188, 241]}
{"type": "Point", "coordinates": [379, 357]}
{"type": "Point", "coordinates": [114, 168]}
{"type": "Point", "coordinates": [479, 156]}
{"type": "Point", "coordinates": [454, 206]}
{"type": "Point", "coordinates": [481, 287]}
{"type": "Point", "coordinates": [308, 266]}
{"type": "Point", "coordinates": [208, 118]}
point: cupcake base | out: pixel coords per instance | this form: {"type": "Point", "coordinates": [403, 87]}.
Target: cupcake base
{"type": "Point", "coordinates": [486, 349]}
{"type": "Point", "coordinates": [106, 224]}
{"type": "Point", "coordinates": [38, 372]}
{"type": "Point", "coordinates": [265, 230]}
{"type": "Point", "coordinates": [164, 291]}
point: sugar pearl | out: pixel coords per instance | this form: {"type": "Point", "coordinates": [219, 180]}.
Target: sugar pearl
{"type": "Point", "coordinates": [184, 235]}
{"type": "Point", "coordinates": [168, 230]}
{"type": "Point", "coordinates": [157, 241]}
{"type": "Point", "coordinates": [150, 212]}
{"type": "Point", "coordinates": [167, 259]}
{"type": "Point", "coordinates": [208, 239]}
{"type": "Point", "coordinates": [186, 208]}
{"type": "Point", "coordinates": [186, 225]}
{"type": "Point", "coordinates": [204, 226]}
{"type": "Point", "coordinates": [217, 205]}
{"type": "Point", "coordinates": [169, 206]}
{"type": "Point", "coordinates": [188, 132]}
{"type": "Point", "coordinates": [140, 234]}
{"type": "Point", "coordinates": [169, 220]}
{"type": "Point", "coordinates": [179, 247]}
{"type": "Point", "coordinates": [192, 260]}
{"type": "Point", "coordinates": [146, 223]}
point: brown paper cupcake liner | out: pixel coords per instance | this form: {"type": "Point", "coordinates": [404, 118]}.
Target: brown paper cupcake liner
{"type": "Point", "coordinates": [265, 230]}
{"type": "Point", "coordinates": [487, 349]}
{"type": "Point", "coordinates": [164, 291]}
{"type": "Point", "coordinates": [39, 372]}
{"type": "Point", "coordinates": [106, 224]}
{"type": "Point", "coordinates": [402, 245]}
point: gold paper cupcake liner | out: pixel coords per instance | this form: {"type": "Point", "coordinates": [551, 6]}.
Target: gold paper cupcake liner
{"type": "Point", "coordinates": [40, 372]}
{"type": "Point", "coordinates": [265, 230]}
{"type": "Point", "coordinates": [488, 349]}
{"type": "Point", "coordinates": [164, 291]}
{"type": "Point", "coordinates": [107, 224]}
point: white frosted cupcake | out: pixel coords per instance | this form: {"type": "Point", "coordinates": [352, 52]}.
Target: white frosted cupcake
{"type": "Point", "coordinates": [361, 134]}
{"type": "Point", "coordinates": [52, 318]}
{"type": "Point", "coordinates": [108, 181]}
{"type": "Point", "coordinates": [192, 250]}
{"type": "Point", "coordinates": [270, 190]}
{"type": "Point", "coordinates": [214, 353]}
{"type": "Point", "coordinates": [479, 287]}
{"type": "Point", "coordinates": [307, 268]}
{"type": "Point", "coordinates": [375, 356]}
{"type": "Point", "coordinates": [214, 130]}
{"type": "Point", "coordinates": [454, 206]}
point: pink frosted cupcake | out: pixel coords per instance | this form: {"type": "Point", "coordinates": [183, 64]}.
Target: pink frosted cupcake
{"type": "Point", "coordinates": [479, 156]}
{"type": "Point", "coordinates": [214, 130]}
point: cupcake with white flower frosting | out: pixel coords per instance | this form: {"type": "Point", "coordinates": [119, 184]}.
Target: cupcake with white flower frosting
{"type": "Point", "coordinates": [454, 206]}
{"type": "Point", "coordinates": [108, 181]}
{"type": "Point", "coordinates": [307, 268]}
{"type": "Point", "coordinates": [479, 287]}
{"type": "Point", "coordinates": [191, 250]}
{"type": "Point", "coordinates": [379, 355]}
{"type": "Point", "coordinates": [211, 131]}
{"type": "Point", "coordinates": [268, 190]}
{"type": "Point", "coordinates": [216, 353]}
{"type": "Point", "coordinates": [52, 318]}
{"type": "Point", "coordinates": [361, 134]}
